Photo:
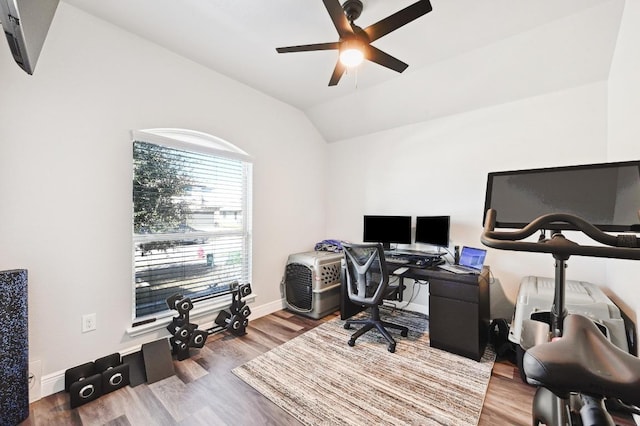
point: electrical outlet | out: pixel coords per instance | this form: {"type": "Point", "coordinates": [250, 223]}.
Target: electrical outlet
{"type": "Point", "coordinates": [35, 380]}
{"type": "Point", "coordinates": [88, 322]}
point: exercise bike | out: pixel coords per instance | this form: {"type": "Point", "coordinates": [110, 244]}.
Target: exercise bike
{"type": "Point", "coordinates": [579, 372]}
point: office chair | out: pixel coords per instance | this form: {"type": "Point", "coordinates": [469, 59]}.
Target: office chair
{"type": "Point", "coordinates": [367, 280]}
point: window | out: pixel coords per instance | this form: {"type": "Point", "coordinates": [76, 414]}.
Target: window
{"type": "Point", "coordinates": [191, 217]}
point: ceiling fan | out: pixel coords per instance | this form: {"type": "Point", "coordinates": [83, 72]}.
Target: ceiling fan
{"type": "Point", "coordinates": [355, 40]}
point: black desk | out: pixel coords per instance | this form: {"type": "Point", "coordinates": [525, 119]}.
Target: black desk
{"type": "Point", "coordinates": [458, 309]}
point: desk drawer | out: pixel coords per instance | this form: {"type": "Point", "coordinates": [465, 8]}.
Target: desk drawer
{"type": "Point", "coordinates": [454, 290]}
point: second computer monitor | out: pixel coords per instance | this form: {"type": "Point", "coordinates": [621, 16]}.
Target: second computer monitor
{"type": "Point", "coordinates": [433, 230]}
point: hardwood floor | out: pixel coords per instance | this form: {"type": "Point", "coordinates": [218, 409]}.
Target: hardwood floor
{"type": "Point", "coordinates": [205, 392]}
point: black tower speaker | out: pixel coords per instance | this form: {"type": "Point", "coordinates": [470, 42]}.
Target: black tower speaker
{"type": "Point", "coordinates": [14, 347]}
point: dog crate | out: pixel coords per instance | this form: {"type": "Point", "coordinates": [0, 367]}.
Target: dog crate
{"type": "Point", "coordinates": [530, 324]}
{"type": "Point", "coordinates": [532, 316]}
{"type": "Point", "coordinates": [311, 283]}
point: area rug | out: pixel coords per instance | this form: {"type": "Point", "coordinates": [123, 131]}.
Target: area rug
{"type": "Point", "coordinates": [320, 380]}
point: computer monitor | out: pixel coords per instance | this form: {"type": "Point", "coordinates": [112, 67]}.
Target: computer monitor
{"type": "Point", "coordinates": [433, 230]}
{"type": "Point", "coordinates": [387, 230]}
{"type": "Point", "coordinates": [606, 195]}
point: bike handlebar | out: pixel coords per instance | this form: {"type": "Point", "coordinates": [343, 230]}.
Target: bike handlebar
{"type": "Point", "coordinates": [623, 246]}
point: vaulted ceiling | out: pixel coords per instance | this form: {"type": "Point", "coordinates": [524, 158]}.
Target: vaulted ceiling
{"type": "Point", "coordinates": [463, 55]}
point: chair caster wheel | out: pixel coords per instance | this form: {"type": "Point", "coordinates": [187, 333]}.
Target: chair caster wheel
{"type": "Point", "coordinates": [404, 333]}
{"type": "Point", "coordinates": [351, 342]}
{"type": "Point", "coordinates": [347, 326]}
{"type": "Point", "coordinates": [391, 348]}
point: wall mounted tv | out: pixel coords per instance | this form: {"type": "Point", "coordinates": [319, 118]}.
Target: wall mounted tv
{"type": "Point", "coordinates": [606, 195]}
{"type": "Point", "coordinates": [387, 230]}
{"type": "Point", "coordinates": [433, 230]}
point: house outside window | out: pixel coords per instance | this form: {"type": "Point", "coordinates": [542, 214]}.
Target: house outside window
{"type": "Point", "coordinates": [191, 217]}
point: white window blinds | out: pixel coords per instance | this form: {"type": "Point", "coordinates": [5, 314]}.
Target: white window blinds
{"type": "Point", "coordinates": [191, 223]}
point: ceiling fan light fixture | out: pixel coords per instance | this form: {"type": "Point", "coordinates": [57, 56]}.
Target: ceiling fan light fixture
{"type": "Point", "coordinates": [351, 58]}
{"type": "Point", "coordinates": [354, 43]}
{"type": "Point", "coordinates": [351, 53]}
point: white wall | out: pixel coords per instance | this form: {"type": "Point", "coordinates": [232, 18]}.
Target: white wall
{"type": "Point", "coordinates": [624, 137]}
{"type": "Point", "coordinates": [65, 171]}
{"type": "Point", "coordinates": [440, 167]}
{"type": "Point", "coordinates": [66, 168]}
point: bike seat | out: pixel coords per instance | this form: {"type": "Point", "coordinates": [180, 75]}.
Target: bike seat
{"type": "Point", "coordinates": [584, 361]}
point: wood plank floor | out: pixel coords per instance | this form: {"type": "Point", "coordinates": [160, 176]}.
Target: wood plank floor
{"type": "Point", "coordinates": [205, 392]}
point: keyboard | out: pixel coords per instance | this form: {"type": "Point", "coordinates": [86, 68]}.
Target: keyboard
{"type": "Point", "coordinates": [457, 269]}
{"type": "Point", "coordinates": [397, 260]}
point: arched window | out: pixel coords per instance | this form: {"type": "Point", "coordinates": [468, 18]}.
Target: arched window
{"type": "Point", "coordinates": [191, 217]}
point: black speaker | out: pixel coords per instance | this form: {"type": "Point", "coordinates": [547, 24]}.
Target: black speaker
{"type": "Point", "coordinates": [85, 390]}
{"type": "Point", "coordinates": [14, 347]}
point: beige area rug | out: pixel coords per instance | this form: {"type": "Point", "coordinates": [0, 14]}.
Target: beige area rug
{"type": "Point", "coordinates": [320, 380]}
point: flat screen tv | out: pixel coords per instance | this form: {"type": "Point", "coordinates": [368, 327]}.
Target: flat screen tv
{"type": "Point", "coordinates": [387, 230]}
{"type": "Point", "coordinates": [433, 230]}
{"type": "Point", "coordinates": [606, 195]}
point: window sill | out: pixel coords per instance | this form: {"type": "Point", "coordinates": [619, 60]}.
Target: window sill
{"type": "Point", "coordinates": [199, 310]}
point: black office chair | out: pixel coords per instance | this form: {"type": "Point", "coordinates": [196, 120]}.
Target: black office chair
{"type": "Point", "coordinates": [367, 280]}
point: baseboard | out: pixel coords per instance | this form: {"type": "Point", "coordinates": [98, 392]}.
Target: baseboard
{"type": "Point", "coordinates": [54, 382]}
{"type": "Point", "coordinates": [51, 383]}
{"type": "Point", "coordinates": [267, 308]}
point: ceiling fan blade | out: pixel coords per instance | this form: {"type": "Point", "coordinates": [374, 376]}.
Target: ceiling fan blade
{"type": "Point", "coordinates": [340, 21]}
{"type": "Point", "coordinates": [398, 19]}
{"type": "Point", "coordinates": [376, 55]}
{"type": "Point", "coordinates": [309, 47]}
{"type": "Point", "coordinates": [337, 73]}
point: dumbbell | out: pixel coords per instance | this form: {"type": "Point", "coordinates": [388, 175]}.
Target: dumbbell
{"type": "Point", "coordinates": [115, 374]}
{"type": "Point", "coordinates": [83, 383]}
{"type": "Point", "coordinates": [78, 373]}
{"type": "Point", "coordinates": [181, 304]}
{"type": "Point", "coordinates": [245, 311]}
{"type": "Point", "coordinates": [183, 333]}
{"type": "Point", "coordinates": [198, 339]}
{"type": "Point", "coordinates": [171, 300]}
{"type": "Point", "coordinates": [178, 344]}
{"type": "Point", "coordinates": [85, 390]}
{"type": "Point", "coordinates": [175, 324]}
{"type": "Point", "coordinates": [240, 308]}
{"type": "Point", "coordinates": [107, 362]}
{"type": "Point", "coordinates": [244, 290]}
{"type": "Point", "coordinates": [231, 322]}
{"type": "Point", "coordinates": [180, 348]}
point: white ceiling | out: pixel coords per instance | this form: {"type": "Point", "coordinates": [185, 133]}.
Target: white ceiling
{"type": "Point", "coordinates": [465, 54]}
